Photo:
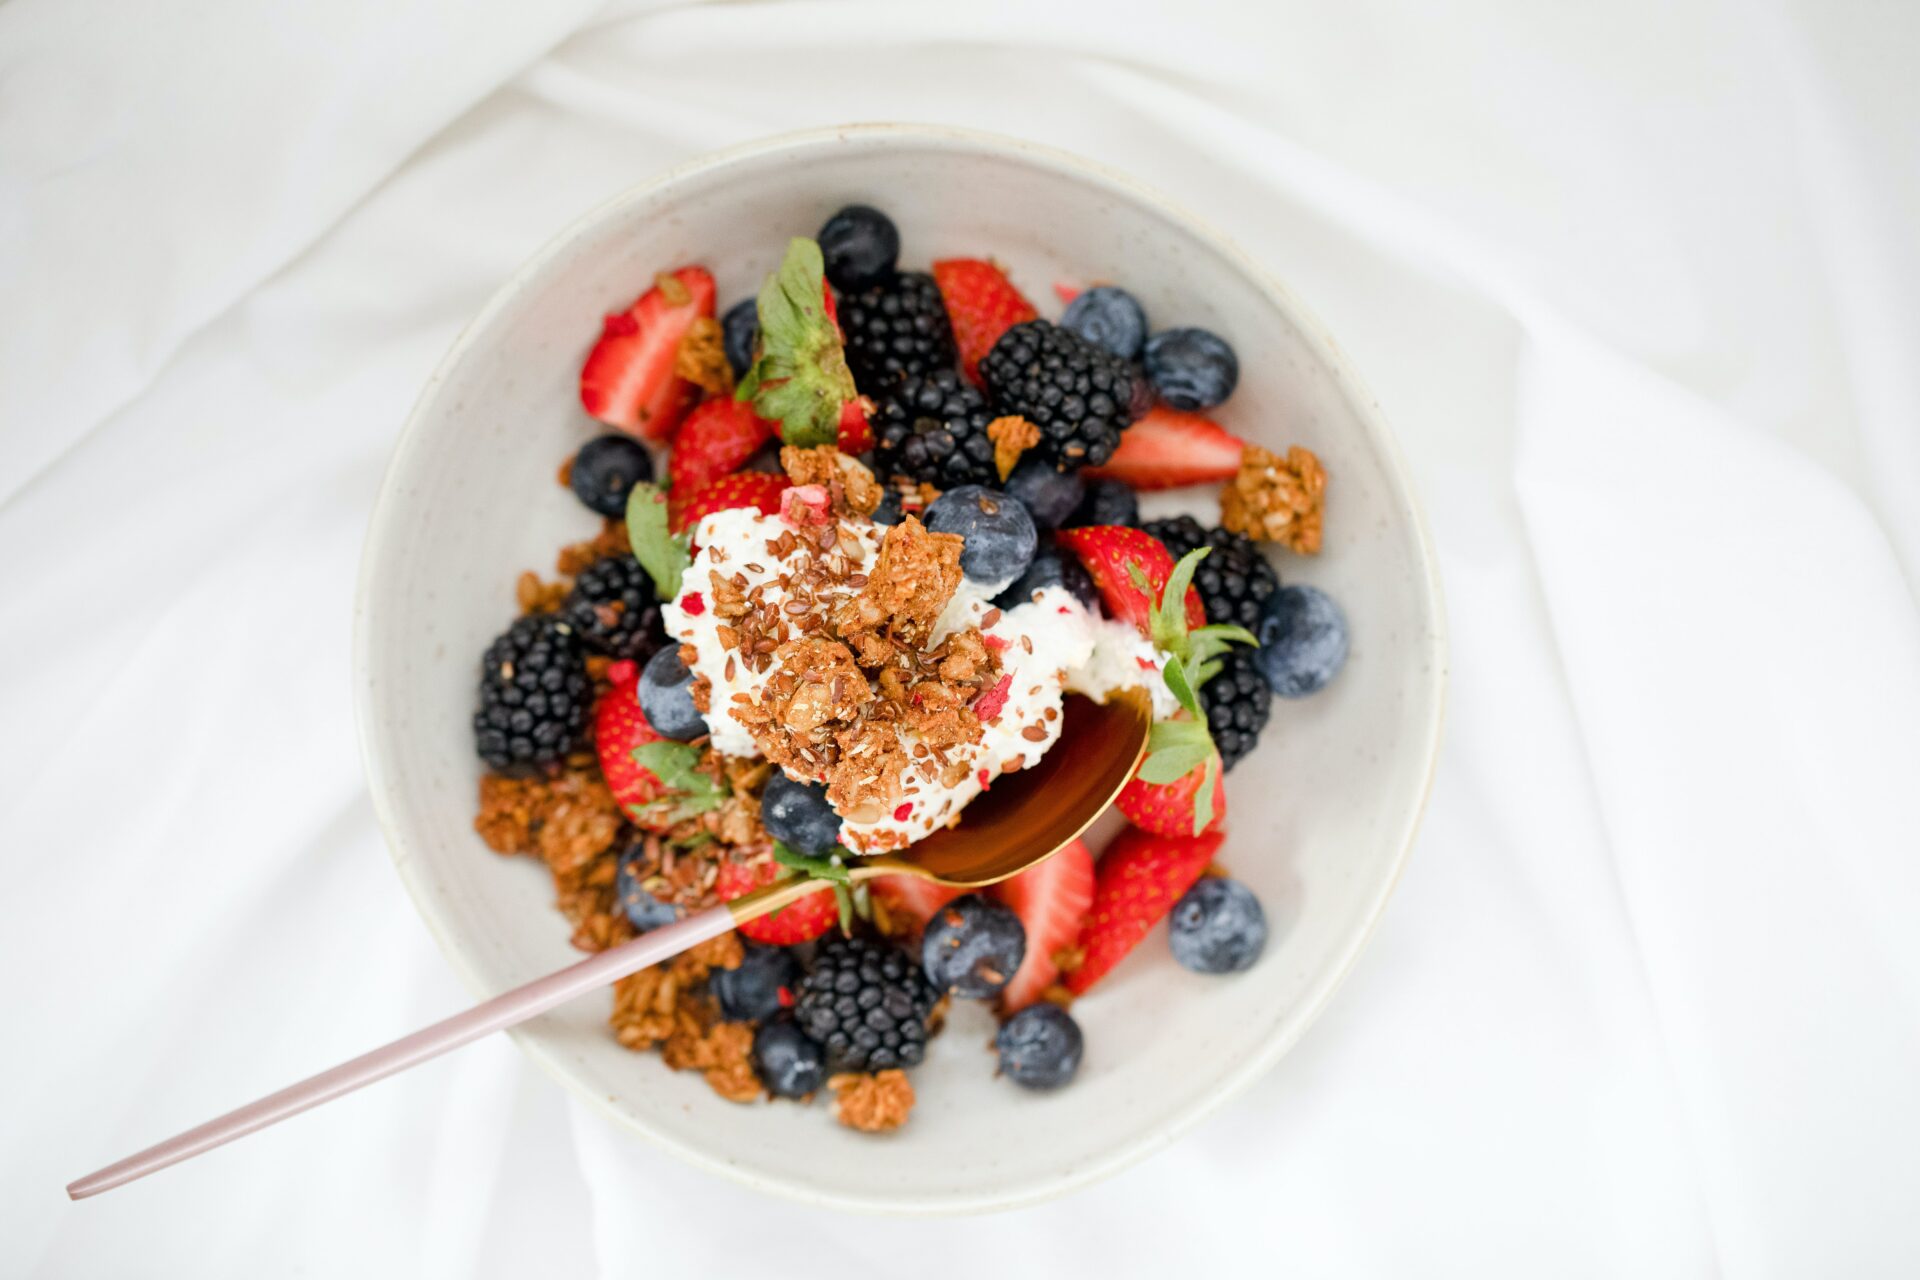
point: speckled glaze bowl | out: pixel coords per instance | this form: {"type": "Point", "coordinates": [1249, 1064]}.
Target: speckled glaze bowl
{"type": "Point", "coordinates": [1321, 815]}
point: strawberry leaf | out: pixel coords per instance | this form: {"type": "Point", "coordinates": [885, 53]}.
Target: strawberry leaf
{"type": "Point", "coordinates": [1175, 748]}
{"type": "Point", "coordinates": [1203, 798]}
{"type": "Point", "coordinates": [1176, 676]}
{"type": "Point", "coordinates": [800, 378]}
{"type": "Point", "coordinates": [690, 790]}
{"type": "Point", "coordinates": [811, 866]}
{"type": "Point", "coordinates": [664, 554]}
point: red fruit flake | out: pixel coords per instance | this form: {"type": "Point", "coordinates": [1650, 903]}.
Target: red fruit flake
{"type": "Point", "coordinates": [692, 605]}
{"type": "Point", "coordinates": [985, 781]}
{"type": "Point", "coordinates": [901, 814]}
{"type": "Point", "coordinates": [993, 701]}
{"type": "Point", "coordinates": [996, 643]}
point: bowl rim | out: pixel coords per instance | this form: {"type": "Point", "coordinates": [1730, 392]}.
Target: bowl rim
{"type": "Point", "coordinates": [1128, 1151]}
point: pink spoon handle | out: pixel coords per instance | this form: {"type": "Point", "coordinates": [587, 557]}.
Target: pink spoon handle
{"type": "Point", "coordinates": [506, 1010]}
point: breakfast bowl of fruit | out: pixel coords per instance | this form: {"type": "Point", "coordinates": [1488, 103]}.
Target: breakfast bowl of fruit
{"type": "Point", "coordinates": [782, 517]}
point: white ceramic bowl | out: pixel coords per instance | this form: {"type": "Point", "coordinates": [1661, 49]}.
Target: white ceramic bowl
{"type": "Point", "coordinates": [1321, 815]}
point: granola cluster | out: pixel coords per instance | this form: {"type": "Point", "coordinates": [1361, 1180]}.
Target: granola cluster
{"type": "Point", "coordinates": [667, 1006]}
{"type": "Point", "coordinates": [872, 1103]}
{"type": "Point", "coordinates": [1276, 499]}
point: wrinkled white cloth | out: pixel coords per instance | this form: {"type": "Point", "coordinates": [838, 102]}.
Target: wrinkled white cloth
{"type": "Point", "coordinates": [1638, 286]}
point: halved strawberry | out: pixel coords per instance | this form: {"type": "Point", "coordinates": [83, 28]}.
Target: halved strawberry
{"type": "Point", "coordinates": [1167, 808]}
{"type": "Point", "coordinates": [1169, 448]}
{"type": "Point", "coordinates": [742, 489]}
{"type": "Point", "coordinates": [1141, 876]}
{"type": "Point", "coordinates": [1051, 901]}
{"type": "Point", "coordinates": [982, 303]}
{"type": "Point", "coordinates": [911, 898]}
{"type": "Point", "coordinates": [618, 727]}
{"type": "Point", "coordinates": [856, 433]}
{"type": "Point", "coordinates": [797, 922]}
{"type": "Point", "coordinates": [628, 380]}
{"type": "Point", "coordinates": [1107, 549]}
{"type": "Point", "coordinates": [716, 440]}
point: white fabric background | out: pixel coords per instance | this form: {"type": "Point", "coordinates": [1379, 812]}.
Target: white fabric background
{"type": "Point", "coordinates": [1638, 284]}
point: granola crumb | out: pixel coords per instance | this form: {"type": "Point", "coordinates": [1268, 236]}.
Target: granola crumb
{"type": "Point", "coordinates": [1276, 499]}
{"type": "Point", "coordinates": [536, 596]}
{"type": "Point", "coordinates": [702, 357]}
{"type": "Point", "coordinates": [610, 541]}
{"type": "Point", "coordinates": [875, 1103]}
{"type": "Point", "coordinates": [1012, 436]}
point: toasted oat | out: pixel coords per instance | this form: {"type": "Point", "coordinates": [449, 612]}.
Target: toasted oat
{"type": "Point", "coordinates": [1277, 499]}
{"type": "Point", "coordinates": [872, 1103]}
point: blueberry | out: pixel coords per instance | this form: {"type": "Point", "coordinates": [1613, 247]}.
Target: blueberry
{"type": "Point", "coordinates": [1049, 496]}
{"type": "Point", "coordinates": [739, 331]}
{"type": "Point", "coordinates": [789, 1063]}
{"type": "Point", "coordinates": [752, 991]}
{"type": "Point", "coordinates": [972, 946]}
{"type": "Point", "coordinates": [1051, 567]}
{"type": "Point", "coordinates": [1303, 640]}
{"type": "Point", "coordinates": [797, 814]}
{"type": "Point", "coordinates": [643, 909]}
{"type": "Point", "coordinates": [605, 471]}
{"type": "Point", "coordinates": [1040, 1046]}
{"type": "Point", "coordinates": [1107, 502]}
{"type": "Point", "coordinates": [888, 512]}
{"type": "Point", "coordinates": [1191, 368]}
{"type": "Point", "coordinates": [999, 532]}
{"type": "Point", "coordinates": [860, 246]}
{"type": "Point", "coordinates": [666, 696]}
{"type": "Point", "coordinates": [1110, 317]}
{"type": "Point", "coordinates": [1217, 927]}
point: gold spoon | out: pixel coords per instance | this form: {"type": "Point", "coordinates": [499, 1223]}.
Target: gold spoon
{"type": "Point", "coordinates": [1016, 825]}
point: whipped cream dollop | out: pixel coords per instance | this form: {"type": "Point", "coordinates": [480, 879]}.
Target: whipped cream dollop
{"type": "Point", "coordinates": [1047, 646]}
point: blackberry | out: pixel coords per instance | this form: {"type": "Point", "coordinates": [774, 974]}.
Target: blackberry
{"type": "Point", "coordinates": [1234, 581]}
{"type": "Point", "coordinates": [896, 329]}
{"type": "Point", "coordinates": [534, 695]}
{"type": "Point", "coordinates": [867, 1004]}
{"type": "Point", "coordinates": [613, 611]}
{"type": "Point", "coordinates": [1079, 395]}
{"type": "Point", "coordinates": [1237, 701]}
{"type": "Point", "coordinates": [933, 427]}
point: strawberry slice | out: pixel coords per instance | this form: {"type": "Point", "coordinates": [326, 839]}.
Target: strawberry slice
{"type": "Point", "coordinates": [716, 440]}
{"type": "Point", "coordinates": [1141, 876]}
{"type": "Point", "coordinates": [742, 489]}
{"type": "Point", "coordinates": [797, 922]}
{"type": "Point", "coordinates": [1052, 901]}
{"type": "Point", "coordinates": [618, 727]}
{"type": "Point", "coordinates": [982, 303]}
{"type": "Point", "coordinates": [628, 380]}
{"type": "Point", "coordinates": [1107, 549]}
{"type": "Point", "coordinates": [1169, 448]}
{"type": "Point", "coordinates": [1167, 808]}
{"type": "Point", "coordinates": [913, 899]}
{"type": "Point", "coordinates": [856, 433]}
